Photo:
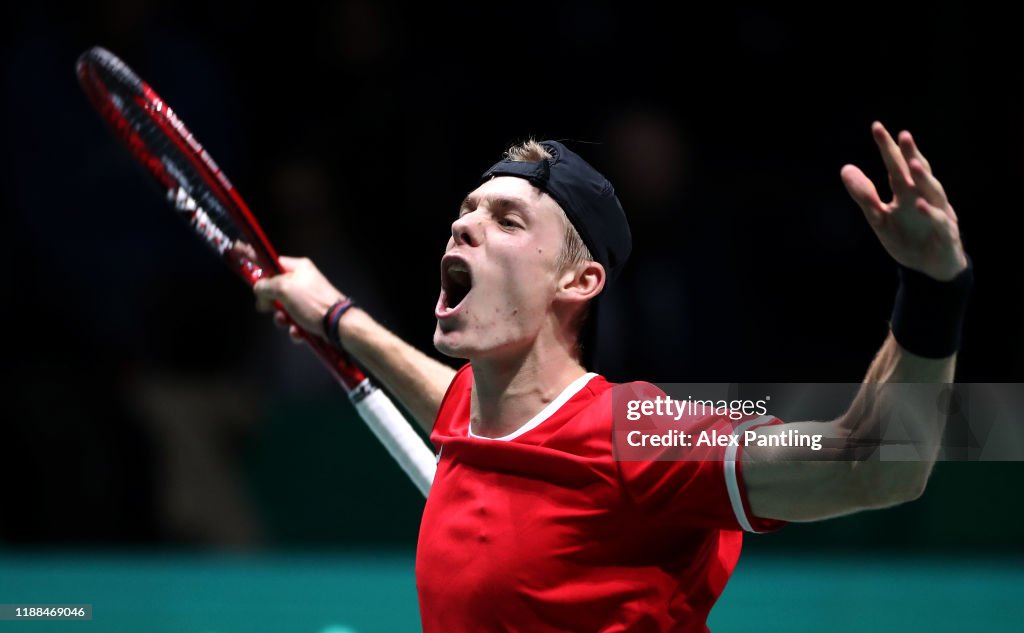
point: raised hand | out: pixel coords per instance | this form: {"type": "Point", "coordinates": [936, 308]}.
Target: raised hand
{"type": "Point", "coordinates": [918, 227]}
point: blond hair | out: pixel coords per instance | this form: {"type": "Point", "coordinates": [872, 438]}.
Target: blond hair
{"type": "Point", "coordinates": [574, 251]}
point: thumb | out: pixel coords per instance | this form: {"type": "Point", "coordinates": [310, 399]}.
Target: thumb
{"type": "Point", "coordinates": [289, 263]}
{"type": "Point", "coordinates": [863, 192]}
{"type": "Point", "coordinates": [267, 291]}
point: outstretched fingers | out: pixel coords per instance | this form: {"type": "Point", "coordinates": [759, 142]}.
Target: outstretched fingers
{"type": "Point", "coordinates": [909, 149]}
{"type": "Point", "coordinates": [927, 185]}
{"type": "Point", "coordinates": [921, 171]}
{"type": "Point", "coordinates": [895, 163]}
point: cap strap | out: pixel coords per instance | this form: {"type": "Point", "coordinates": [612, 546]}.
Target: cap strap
{"type": "Point", "coordinates": [537, 172]}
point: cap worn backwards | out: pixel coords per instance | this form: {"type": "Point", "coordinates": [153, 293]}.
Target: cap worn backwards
{"type": "Point", "coordinates": [586, 196]}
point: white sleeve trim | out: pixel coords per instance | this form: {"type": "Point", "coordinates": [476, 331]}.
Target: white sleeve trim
{"type": "Point", "coordinates": [732, 482]}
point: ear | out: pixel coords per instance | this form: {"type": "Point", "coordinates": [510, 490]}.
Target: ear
{"type": "Point", "coordinates": [581, 283]}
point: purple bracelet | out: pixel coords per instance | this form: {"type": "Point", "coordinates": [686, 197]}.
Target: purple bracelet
{"type": "Point", "coordinates": [331, 318]}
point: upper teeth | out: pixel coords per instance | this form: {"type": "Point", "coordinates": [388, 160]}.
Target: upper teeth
{"type": "Point", "coordinates": [457, 267]}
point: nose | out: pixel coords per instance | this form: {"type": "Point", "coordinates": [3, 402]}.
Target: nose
{"type": "Point", "coordinates": [466, 230]}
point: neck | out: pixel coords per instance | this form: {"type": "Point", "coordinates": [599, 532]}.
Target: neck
{"type": "Point", "coordinates": [507, 393]}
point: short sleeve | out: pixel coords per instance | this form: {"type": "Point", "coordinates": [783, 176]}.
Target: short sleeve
{"type": "Point", "coordinates": [692, 474]}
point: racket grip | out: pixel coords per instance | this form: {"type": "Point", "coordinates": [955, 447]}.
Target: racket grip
{"type": "Point", "coordinates": [378, 412]}
{"type": "Point", "coordinates": [391, 428]}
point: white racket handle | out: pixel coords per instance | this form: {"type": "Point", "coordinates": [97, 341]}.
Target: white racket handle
{"type": "Point", "coordinates": [395, 433]}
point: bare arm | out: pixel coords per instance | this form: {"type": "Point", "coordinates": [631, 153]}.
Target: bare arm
{"type": "Point", "coordinates": [900, 392]}
{"type": "Point", "coordinates": [417, 380]}
{"type": "Point", "coordinates": [920, 230]}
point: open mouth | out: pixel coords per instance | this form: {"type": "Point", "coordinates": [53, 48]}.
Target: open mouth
{"type": "Point", "coordinates": [456, 282]}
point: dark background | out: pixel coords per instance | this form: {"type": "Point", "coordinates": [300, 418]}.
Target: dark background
{"type": "Point", "coordinates": [146, 404]}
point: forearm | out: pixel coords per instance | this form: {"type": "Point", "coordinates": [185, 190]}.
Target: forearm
{"type": "Point", "coordinates": [893, 364]}
{"type": "Point", "coordinates": [894, 426]}
{"type": "Point", "coordinates": [860, 466]}
{"type": "Point", "coordinates": [417, 380]}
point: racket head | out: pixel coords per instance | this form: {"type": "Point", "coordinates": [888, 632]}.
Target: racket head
{"type": "Point", "coordinates": [193, 183]}
{"type": "Point", "coordinates": [203, 196]}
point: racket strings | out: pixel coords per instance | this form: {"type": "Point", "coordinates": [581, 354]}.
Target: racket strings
{"type": "Point", "coordinates": [159, 139]}
{"type": "Point", "coordinates": [199, 206]}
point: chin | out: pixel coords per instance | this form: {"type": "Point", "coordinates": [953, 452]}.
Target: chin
{"type": "Point", "coordinates": [448, 343]}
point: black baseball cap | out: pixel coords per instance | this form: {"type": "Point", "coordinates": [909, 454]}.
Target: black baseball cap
{"type": "Point", "coordinates": [590, 203]}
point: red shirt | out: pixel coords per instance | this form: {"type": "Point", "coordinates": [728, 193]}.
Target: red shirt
{"type": "Point", "coordinates": [546, 530]}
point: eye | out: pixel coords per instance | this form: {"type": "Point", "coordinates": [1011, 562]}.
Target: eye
{"type": "Point", "coordinates": [509, 223]}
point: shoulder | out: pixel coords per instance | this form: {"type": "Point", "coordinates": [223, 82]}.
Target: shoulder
{"type": "Point", "coordinates": [460, 386]}
{"type": "Point", "coordinates": [463, 374]}
{"type": "Point", "coordinates": [456, 398]}
{"type": "Point", "coordinates": [619, 393]}
{"type": "Point", "coordinates": [601, 401]}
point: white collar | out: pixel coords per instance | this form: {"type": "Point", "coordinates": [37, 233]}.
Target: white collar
{"type": "Point", "coordinates": [545, 413]}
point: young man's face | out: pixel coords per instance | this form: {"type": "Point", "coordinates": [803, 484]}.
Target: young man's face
{"type": "Point", "coordinates": [498, 276]}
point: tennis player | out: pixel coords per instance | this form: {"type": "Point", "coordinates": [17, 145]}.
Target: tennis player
{"type": "Point", "coordinates": [536, 522]}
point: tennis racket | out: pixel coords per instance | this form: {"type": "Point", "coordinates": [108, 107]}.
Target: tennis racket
{"type": "Point", "coordinates": [203, 197]}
